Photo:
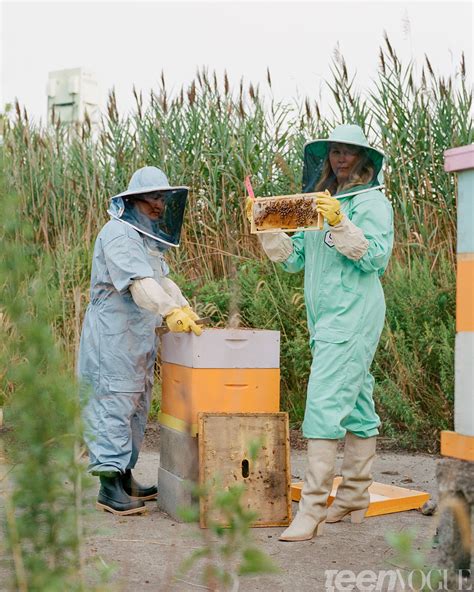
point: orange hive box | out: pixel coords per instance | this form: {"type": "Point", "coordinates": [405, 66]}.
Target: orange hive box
{"type": "Point", "coordinates": [188, 391]}
{"type": "Point", "coordinates": [465, 293]}
{"type": "Point", "coordinates": [456, 445]}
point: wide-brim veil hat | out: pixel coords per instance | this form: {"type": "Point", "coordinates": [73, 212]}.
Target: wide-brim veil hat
{"type": "Point", "coordinates": [167, 229]}
{"type": "Point", "coordinates": [147, 180]}
{"type": "Point", "coordinates": [316, 152]}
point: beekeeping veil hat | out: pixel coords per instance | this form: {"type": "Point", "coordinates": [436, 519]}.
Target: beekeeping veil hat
{"type": "Point", "coordinates": [167, 230]}
{"type": "Point", "coordinates": [316, 152]}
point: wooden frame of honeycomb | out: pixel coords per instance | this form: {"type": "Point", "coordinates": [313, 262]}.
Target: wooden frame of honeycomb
{"type": "Point", "coordinates": [289, 213]}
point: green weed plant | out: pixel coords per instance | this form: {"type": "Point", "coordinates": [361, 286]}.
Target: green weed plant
{"type": "Point", "coordinates": [227, 552]}
{"type": "Point", "coordinates": [46, 482]}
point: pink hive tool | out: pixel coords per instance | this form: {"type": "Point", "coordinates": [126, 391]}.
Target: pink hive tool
{"type": "Point", "coordinates": [248, 186]}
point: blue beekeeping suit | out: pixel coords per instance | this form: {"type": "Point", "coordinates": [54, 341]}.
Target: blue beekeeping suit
{"type": "Point", "coordinates": [118, 342]}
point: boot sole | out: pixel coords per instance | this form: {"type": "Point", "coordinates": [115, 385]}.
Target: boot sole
{"type": "Point", "coordinates": [295, 540]}
{"type": "Point", "coordinates": [105, 508]}
{"type": "Point", "coordinates": [147, 498]}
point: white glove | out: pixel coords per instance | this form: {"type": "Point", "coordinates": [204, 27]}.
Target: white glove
{"type": "Point", "coordinates": [349, 239]}
{"type": "Point", "coordinates": [147, 293]}
{"type": "Point", "coordinates": [173, 290]}
{"type": "Point", "coordinates": [277, 245]}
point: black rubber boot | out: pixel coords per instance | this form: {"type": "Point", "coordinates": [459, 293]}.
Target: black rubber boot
{"type": "Point", "coordinates": [137, 491]}
{"type": "Point", "coordinates": [113, 498]}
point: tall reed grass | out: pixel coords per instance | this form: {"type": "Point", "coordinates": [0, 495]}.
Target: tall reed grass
{"type": "Point", "coordinates": [210, 136]}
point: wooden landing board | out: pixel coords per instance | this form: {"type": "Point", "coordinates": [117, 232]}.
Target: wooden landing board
{"type": "Point", "coordinates": [225, 442]}
{"type": "Point", "coordinates": [384, 499]}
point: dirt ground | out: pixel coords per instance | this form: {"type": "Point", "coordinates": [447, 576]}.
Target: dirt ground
{"type": "Point", "coordinates": [146, 551]}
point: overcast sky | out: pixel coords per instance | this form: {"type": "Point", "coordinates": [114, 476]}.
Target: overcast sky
{"type": "Point", "coordinates": [127, 43]}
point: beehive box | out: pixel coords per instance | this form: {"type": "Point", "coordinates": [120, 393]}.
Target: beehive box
{"type": "Point", "coordinates": [222, 371]}
{"type": "Point", "coordinates": [286, 212]}
{"type": "Point", "coordinates": [223, 348]}
{"type": "Point", "coordinates": [251, 450]}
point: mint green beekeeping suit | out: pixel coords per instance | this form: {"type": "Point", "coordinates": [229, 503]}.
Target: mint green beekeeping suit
{"type": "Point", "coordinates": [344, 300]}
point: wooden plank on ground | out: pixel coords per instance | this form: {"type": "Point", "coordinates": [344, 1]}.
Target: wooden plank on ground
{"type": "Point", "coordinates": [225, 459]}
{"type": "Point", "coordinates": [384, 499]}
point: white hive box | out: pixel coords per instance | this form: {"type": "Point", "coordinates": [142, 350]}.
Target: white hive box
{"type": "Point", "coordinates": [223, 348]}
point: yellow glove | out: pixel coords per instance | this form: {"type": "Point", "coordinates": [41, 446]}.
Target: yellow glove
{"type": "Point", "coordinates": [249, 208]}
{"type": "Point", "coordinates": [190, 312]}
{"type": "Point", "coordinates": [180, 322]}
{"type": "Point", "coordinates": [330, 208]}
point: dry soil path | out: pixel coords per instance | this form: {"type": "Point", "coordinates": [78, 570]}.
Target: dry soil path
{"type": "Point", "coordinates": [147, 550]}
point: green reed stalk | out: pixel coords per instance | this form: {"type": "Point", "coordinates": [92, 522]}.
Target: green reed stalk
{"type": "Point", "coordinates": [210, 136]}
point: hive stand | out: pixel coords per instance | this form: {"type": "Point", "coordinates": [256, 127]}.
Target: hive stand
{"type": "Point", "coordinates": [384, 499]}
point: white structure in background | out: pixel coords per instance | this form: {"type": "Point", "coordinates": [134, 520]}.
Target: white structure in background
{"type": "Point", "coordinates": [72, 93]}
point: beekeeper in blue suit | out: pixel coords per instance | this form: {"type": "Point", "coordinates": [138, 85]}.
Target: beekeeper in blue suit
{"type": "Point", "coordinates": [130, 295]}
{"type": "Point", "coordinates": [346, 311]}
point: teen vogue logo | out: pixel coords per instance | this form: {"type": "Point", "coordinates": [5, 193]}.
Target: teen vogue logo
{"type": "Point", "coordinates": [394, 580]}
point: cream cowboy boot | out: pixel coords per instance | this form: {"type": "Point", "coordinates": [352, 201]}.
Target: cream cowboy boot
{"type": "Point", "coordinates": [316, 489]}
{"type": "Point", "coordinates": [352, 495]}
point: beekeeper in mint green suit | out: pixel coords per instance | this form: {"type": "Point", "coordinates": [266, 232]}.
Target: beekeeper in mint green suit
{"type": "Point", "coordinates": [346, 310]}
{"type": "Point", "coordinates": [130, 295]}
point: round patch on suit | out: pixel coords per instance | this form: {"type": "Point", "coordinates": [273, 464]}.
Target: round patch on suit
{"type": "Point", "coordinates": [328, 239]}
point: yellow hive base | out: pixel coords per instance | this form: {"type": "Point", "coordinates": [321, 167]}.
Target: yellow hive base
{"type": "Point", "coordinates": [457, 445]}
{"type": "Point", "coordinates": [189, 391]}
{"type": "Point", "coordinates": [384, 499]}
{"type": "Point", "coordinates": [177, 424]}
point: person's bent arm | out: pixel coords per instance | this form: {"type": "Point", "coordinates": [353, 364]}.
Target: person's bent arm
{"type": "Point", "coordinates": [173, 290]}
{"type": "Point", "coordinates": [147, 293]}
{"type": "Point", "coordinates": [280, 248]}
{"type": "Point", "coordinates": [367, 239]}
{"type": "Point", "coordinates": [349, 239]}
